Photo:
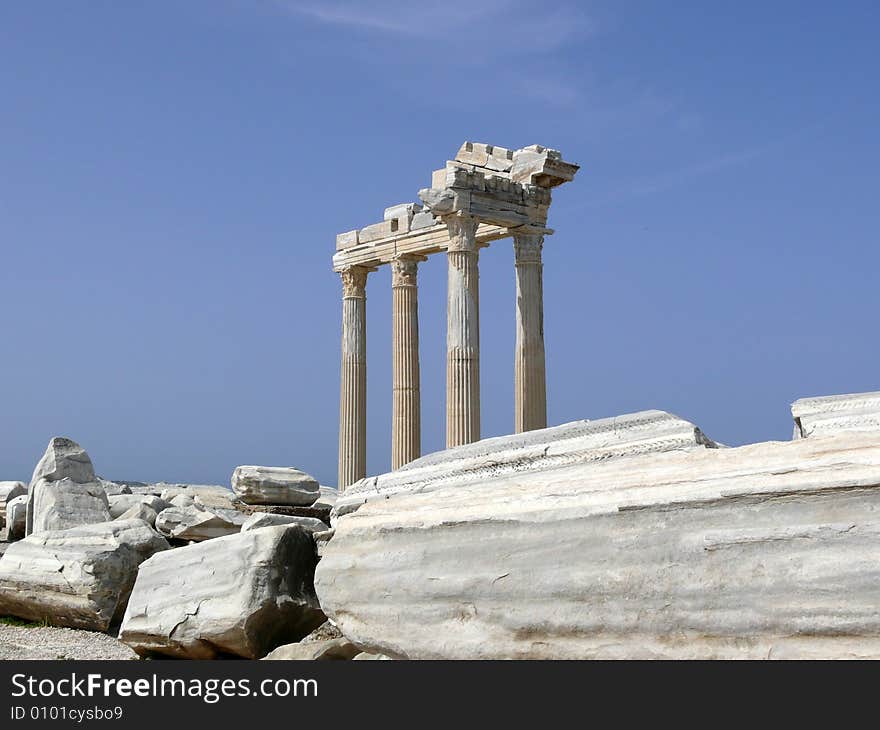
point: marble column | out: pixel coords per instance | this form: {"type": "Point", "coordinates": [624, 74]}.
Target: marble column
{"type": "Point", "coordinates": [406, 435]}
{"type": "Point", "coordinates": [462, 333]}
{"type": "Point", "coordinates": [530, 381]}
{"type": "Point", "coordinates": [353, 393]}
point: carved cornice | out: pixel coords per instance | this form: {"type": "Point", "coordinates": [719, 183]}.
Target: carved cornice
{"type": "Point", "coordinates": [462, 233]}
{"type": "Point", "coordinates": [404, 272]}
{"type": "Point", "coordinates": [527, 248]}
{"type": "Point", "coordinates": [354, 282]}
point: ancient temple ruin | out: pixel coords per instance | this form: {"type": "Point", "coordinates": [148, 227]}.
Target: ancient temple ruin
{"type": "Point", "coordinates": [485, 194]}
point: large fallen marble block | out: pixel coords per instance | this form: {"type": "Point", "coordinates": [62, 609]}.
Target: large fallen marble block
{"type": "Point", "coordinates": [8, 492]}
{"type": "Point", "coordinates": [239, 595]}
{"type": "Point", "coordinates": [196, 523]}
{"type": "Point", "coordinates": [831, 414]}
{"type": "Point", "coordinates": [275, 485]}
{"type": "Point", "coordinates": [16, 518]}
{"type": "Point", "coordinates": [64, 491]}
{"type": "Point", "coordinates": [79, 577]}
{"type": "Point", "coordinates": [550, 448]}
{"type": "Point", "coordinates": [766, 550]}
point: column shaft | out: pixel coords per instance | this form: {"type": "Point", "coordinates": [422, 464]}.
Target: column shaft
{"type": "Point", "coordinates": [530, 381]}
{"type": "Point", "coordinates": [353, 392]}
{"type": "Point", "coordinates": [406, 405]}
{"type": "Point", "coordinates": [462, 334]}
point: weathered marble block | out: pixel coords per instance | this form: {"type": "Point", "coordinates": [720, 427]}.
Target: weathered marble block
{"type": "Point", "coordinates": [121, 503]}
{"type": "Point", "coordinates": [64, 491]}
{"type": "Point", "coordinates": [16, 518]}
{"type": "Point", "coordinates": [8, 492]}
{"type": "Point", "coordinates": [62, 504]}
{"type": "Point", "coordinates": [275, 485]}
{"type": "Point", "coordinates": [239, 595]}
{"type": "Point", "coordinates": [541, 450]}
{"type": "Point", "coordinates": [767, 550]}
{"type": "Point", "coordinates": [832, 414]}
{"type": "Point", "coordinates": [79, 577]}
{"type": "Point", "coordinates": [265, 519]}
{"type": "Point", "coordinates": [198, 523]}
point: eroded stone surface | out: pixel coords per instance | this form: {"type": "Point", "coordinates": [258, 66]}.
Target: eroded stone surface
{"type": "Point", "coordinates": [62, 504]}
{"type": "Point", "coordinates": [275, 485]}
{"type": "Point", "coordinates": [328, 650]}
{"type": "Point", "coordinates": [243, 595]}
{"type": "Point", "coordinates": [8, 492]}
{"type": "Point", "coordinates": [573, 443]}
{"type": "Point", "coordinates": [197, 524]}
{"type": "Point", "coordinates": [16, 518]}
{"type": "Point", "coordinates": [80, 577]}
{"type": "Point", "coordinates": [763, 550]}
{"type": "Point", "coordinates": [121, 503]}
{"type": "Point", "coordinates": [264, 519]}
{"type": "Point", "coordinates": [64, 491]}
{"type": "Point", "coordinates": [832, 414]}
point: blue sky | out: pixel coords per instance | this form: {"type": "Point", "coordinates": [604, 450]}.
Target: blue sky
{"type": "Point", "coordinates": [173, 174]}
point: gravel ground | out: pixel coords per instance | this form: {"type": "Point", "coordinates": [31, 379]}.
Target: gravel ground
{"type": "Point", "coordinates": [50, 642]}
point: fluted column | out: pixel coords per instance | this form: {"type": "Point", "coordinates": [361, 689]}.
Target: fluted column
{"type": "Point", "coordinates": [462, 333]}
{"type": "Point", "coordinates": [353, 393]}
{"type": "Point", "coordinates": [406, 434]}
{"type": "Point", "coordinates": [530, 381]}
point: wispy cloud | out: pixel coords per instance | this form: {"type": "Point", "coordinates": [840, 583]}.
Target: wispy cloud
{"type": "Point", "coordinates": [394, 16]}
{"type": "Point", "coordinates": [513, 26]}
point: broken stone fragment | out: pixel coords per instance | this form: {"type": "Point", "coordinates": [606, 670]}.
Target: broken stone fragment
{"type": "Point", "coordinates": [440, 202]}
{"type": "Point", "coordinates": [8, 492]}
{"type": "Point", "coordinates": [65, 459]}
{"type": "Point", "coordinates": [62, 504]}
{"type": "Point", "coordinates": [79, 577]}
{"type": "Point", "coordinates": [265, 519]}
{"type": "Point", "coordinates": [140, 511]}
{"type": "Point", "coordinates": [831, 414]}
{"type": "Point", "coordinates": [16, 518]}
{"type": "Point", "coordinates": [240, 595]}
{"type": "Point", "coordinates": [328, 650]}
{"type": "Point", "coordinates": [198, 524]}
{"type": "Point", "coordinates": [120, 503]}
{"type": "Point", "coordinates": [275, 485]}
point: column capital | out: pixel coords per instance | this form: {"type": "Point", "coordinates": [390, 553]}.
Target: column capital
{"type": "Point", "coordinates": [354, 282]}
{"type": "Point", "coordinates": [404, 271]}
{"type": "Point", "coordinates": [527, 247]}
{"type": "Point", "coordinates": [462, 232]}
